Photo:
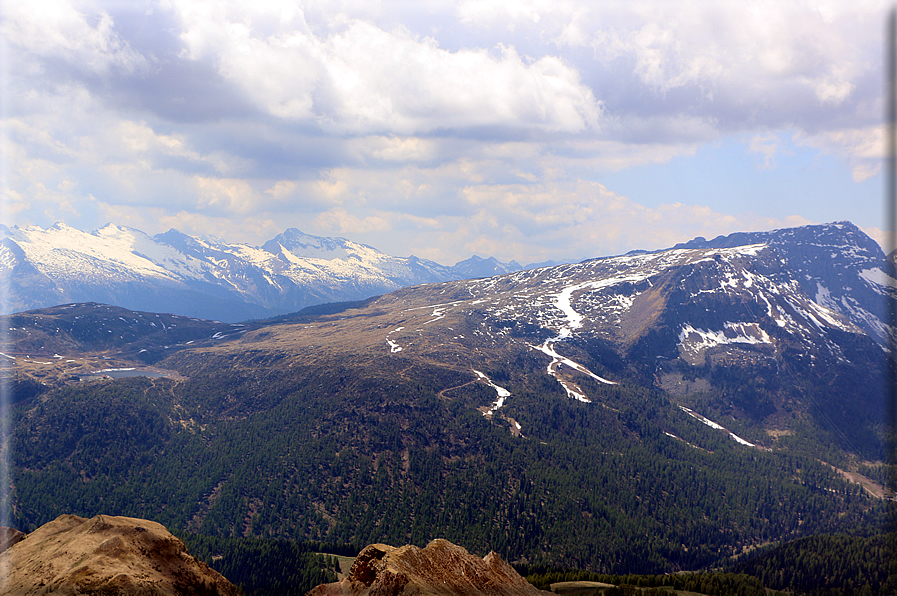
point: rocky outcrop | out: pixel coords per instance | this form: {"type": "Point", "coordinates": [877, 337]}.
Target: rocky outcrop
{"type": "Point", "coordinates": [8, 537]}
{"type": "Point", "coordinates": [442, 569]}
{"type": "Point", "coordinates": [105, 555]}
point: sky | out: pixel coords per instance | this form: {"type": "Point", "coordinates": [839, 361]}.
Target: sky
{"type": "Point", "coordinates": [532, 130]}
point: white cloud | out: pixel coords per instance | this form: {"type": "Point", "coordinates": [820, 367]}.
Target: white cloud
{"type": "Point", "coordinates": [339, 221]}
{"type": "Point", "coordinates": [586, 219]}
{"type": "Point", "coordinates": [879, 235]}
{"type": "Point", "coordinates": [861, 148]}
{"type": "Point", "coordinates": [227, 195]}
{"type": "Point", "coordinates": [477, 129]}
{"type": "Point", "coordinates": [63, 30]}
{"type": "Point", "coordinates": [730, 53]}
{"type": "Point", "coordinates": [11, 204]}
{"type": "Point", "coordinates": [361, 78]}
{"type": "Point", "coordinates": [767, 145]}
{"type": "Point", "coordinates": [527, 222]}
{"type": "Point", "coordinates": [394, 148]}
{"type": "Point", "coordinates": [282, 189]}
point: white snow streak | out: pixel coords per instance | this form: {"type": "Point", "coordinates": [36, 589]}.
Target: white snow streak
{"type": "Point", "coordinates": [503, 393]}
{"type": "Point", "coordinates": [393, 346]}
{"type": "Point", "coordinates": [574, 320]}
{"type": "Point", "coordinates": [732, 333]}
{"type": "Point", "coordinates": [877, 277]}
{"type": "Point", "coordinates": [713, 424]}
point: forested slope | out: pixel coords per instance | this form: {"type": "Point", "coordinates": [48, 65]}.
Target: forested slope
{"type": "Point", "coordinates": [315, 454]}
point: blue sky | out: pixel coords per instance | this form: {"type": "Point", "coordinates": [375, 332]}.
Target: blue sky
{"type": "Point", "coordinates": [527, 130]}
{"type": "Point", "coordinates": [725, 174]}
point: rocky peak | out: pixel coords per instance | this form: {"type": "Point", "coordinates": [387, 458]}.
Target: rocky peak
{"type": "Point", "coordinates": [105, 555]}
{"type": "Point", "coordinates": [441, 568]}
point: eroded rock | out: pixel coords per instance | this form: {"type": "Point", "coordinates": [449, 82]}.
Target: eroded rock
{"type": "Point", "coordinates": [105, 555]}
{"type": "Point", "coordinates": [8, 537]}
{"type": "Point", "coordinates": [442, 569]}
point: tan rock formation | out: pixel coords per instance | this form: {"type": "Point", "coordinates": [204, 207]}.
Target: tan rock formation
{"type": "Point", "coordinates": [8, 537]}
{"type": "Point", "coordinates": [440, 569]}
{"type": "Point", "coordinates": [105, 555]}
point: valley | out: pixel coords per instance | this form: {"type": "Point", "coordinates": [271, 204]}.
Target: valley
{"type": "Point", "coordinates": [638, 414]}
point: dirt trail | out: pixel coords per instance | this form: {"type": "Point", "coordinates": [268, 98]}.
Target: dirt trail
{"type": "Point", "coordinates": [443, 392]}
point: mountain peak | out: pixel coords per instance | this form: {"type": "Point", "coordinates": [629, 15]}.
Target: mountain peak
{"type": "Point", "coordinates": [439, 568]}
{"type": "Point", "coordinates": [300, 244]}
{"type": "Point", "coordinates": [477, 266]}
{"type": "Point", "coordinates": [107, 554]}
{"type": "Point", "coordinates": [834, 233]}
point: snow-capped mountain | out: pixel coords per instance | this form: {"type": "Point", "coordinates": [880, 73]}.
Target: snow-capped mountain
{"type": "Point", "coordinates": [808, 283]}
{"type": "Point", "coordinates": [772, 326]}
{"type": "Point", "coordinates": [174, 272]}
{"type": "Point", "coordinates": [838, 265]}
{"type": "Point", "coordinates": [699, 396]}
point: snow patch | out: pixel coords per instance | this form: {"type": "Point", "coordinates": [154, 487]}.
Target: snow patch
{"type": "Point", "coordinates": [698, 340]}
{"type": "Point", "coordinates": [716, 426]}
{"type": "Point", "coordinates": [557, 360]}
{"type": "Point", "coordinates": [503, 393]}
{"type": "Point", "coordinates": [393, 346]}
{"type": "Point", "coordinates": [877, 277]}
{"type": "Point", "coordinates": [438, 313]}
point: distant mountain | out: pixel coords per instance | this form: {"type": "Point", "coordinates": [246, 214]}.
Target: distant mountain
{"type": "Point", "coordinates": [633, 414]}
{"type": "Point", "coordinates": [479, 267]}
{"type": "Point", "coordinates": [181, 274]}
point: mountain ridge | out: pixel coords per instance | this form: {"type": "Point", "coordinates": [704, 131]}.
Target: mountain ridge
{"type": "Point", "coordinates": [188, 275]}
{"type": "Point", "coordinates": [637, 413]}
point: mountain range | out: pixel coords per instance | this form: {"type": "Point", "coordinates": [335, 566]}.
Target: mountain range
{"type": "Point", "coordinates": [187, 275]}
{"type": "Point", "coordinates": [642, 413]}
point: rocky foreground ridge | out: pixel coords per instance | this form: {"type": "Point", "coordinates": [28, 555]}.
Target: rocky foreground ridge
{"type": "Point", "coordinates": [105, 555]}
{"type": "Point", "coordinates": [439, 569]}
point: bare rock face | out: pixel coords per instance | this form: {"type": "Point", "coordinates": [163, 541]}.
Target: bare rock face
{"type": "Point", "coordinates": [105, 555]}
{"type": "Point", "coordinates": [440, 569]}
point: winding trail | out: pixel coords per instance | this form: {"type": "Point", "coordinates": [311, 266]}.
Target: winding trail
{"type": "Point", "coordinates": [443, 392]}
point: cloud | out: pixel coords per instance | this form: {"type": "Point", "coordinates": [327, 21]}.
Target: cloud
{"type": "Point", "coordinates": [880, 236]}
{"type": "Point", "coordinates": [767, 145]}
{"type": "Point", "coordinates": [861, 148]}
{"type": "Point", "coordinates": [479, 126]}
{"type": "Point", "coordinates": [60, 30]}
{"type": "Point", "coordinates": [225, 195]}
{"type": "Point", "coordinates": [744, 63]}
{"type": "Point", "coordinates": [585, 219]}
{"type": "Point", "coordinates": [282, 189]}
{"type": "Point", "coordinates": [340, 221]}
{"type": "Point", "coordinates": [360, 78]}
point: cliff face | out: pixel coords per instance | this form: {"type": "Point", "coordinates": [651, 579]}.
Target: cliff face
{"type": "Point", "coordinates": [105, 555]}
{"type": "Point", "coordinates": [442, 569]}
